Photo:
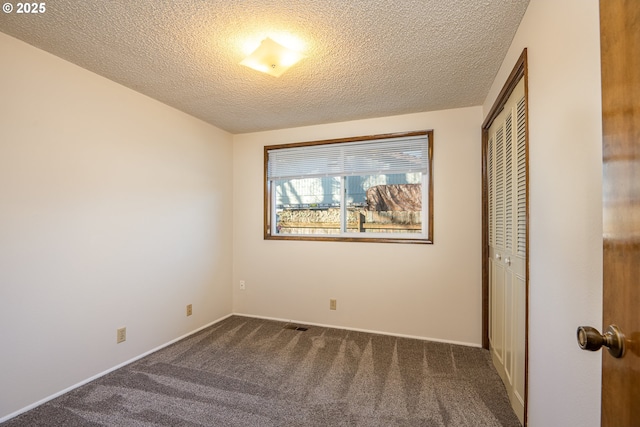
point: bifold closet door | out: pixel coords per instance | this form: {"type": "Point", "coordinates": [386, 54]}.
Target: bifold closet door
{"type": "Point", "coordinates": [507, 202]}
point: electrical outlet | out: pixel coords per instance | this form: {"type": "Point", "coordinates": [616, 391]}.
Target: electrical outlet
{"type": "Point", "coordinates": [189, 310]}
{"type": "Point", "coordinates": [242, 285]}
{"type": "Point", "coordinates": [121, 335]}
{"type": "Point", "coordinates": [333, 303]}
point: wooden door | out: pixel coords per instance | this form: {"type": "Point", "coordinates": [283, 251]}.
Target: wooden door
{"type": "Point", "coordinates": [507, 240]}
{"type": "Point", "coordinates": [620, 55]}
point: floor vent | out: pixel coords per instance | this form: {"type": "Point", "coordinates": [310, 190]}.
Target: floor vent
{"type": "Point", "coordinates": [294, 327]}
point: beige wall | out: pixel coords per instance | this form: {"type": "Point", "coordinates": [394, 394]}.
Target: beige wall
{"type": "Point", "coordinates": [431, 291]}
{"type": "Point", "coordinates": [565, 206]}
{"type": "Point", "coordinates": [115, 211]}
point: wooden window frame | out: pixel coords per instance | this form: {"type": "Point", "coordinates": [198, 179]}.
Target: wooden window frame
{"type": "Point", "coordinates": [428, 239]}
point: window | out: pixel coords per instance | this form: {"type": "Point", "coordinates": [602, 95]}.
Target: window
{"type": "Point", "coordinates": [372, 188]}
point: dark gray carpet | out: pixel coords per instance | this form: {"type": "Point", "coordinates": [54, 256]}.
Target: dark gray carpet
{"type": "Point", "coordinates": [251, 372]}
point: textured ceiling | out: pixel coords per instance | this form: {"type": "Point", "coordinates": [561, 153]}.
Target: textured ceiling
{"type": "Point", "coordinates": [364, 58]}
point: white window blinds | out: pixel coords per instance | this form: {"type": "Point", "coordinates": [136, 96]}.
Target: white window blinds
{"type": "Point", "coordinates": [381, 156]}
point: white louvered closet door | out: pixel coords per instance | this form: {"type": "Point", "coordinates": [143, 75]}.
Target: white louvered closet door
{"type": "Point", "coordinates": [507, 194]}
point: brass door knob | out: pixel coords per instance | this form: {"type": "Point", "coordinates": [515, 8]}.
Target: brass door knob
{"type": "Point", "coordinates": [590, 339]}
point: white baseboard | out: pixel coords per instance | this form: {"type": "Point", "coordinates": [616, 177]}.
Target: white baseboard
{"type": "Point", "coordinates": [416, 337]}
{"type": "Point", "coordinates": [101, 374]}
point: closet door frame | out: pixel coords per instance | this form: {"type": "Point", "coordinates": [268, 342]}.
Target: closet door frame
{"type": "Point", "coordinates": [520, 71]}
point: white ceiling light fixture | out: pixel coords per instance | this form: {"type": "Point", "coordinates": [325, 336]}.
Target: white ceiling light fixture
{"type": "Point", "coordinates": [272, 58]}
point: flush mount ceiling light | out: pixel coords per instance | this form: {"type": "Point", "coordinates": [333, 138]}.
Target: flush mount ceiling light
{"type": "Point", "coordinates": [272, 58]}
